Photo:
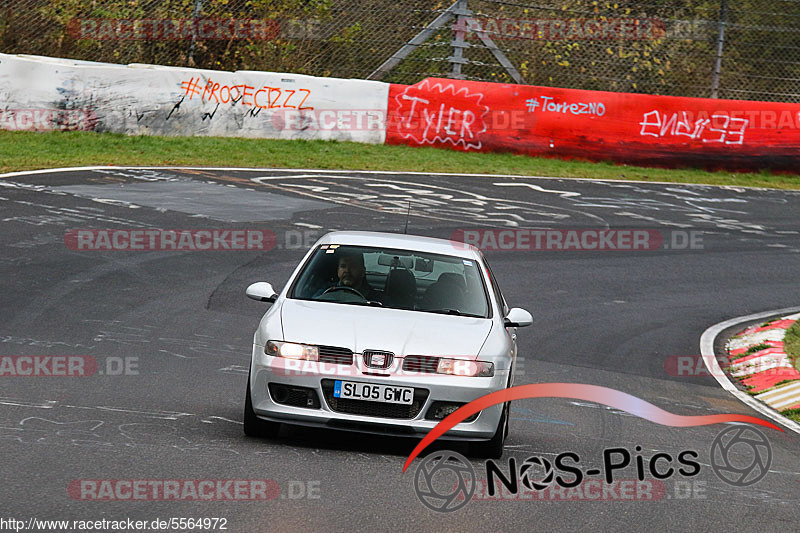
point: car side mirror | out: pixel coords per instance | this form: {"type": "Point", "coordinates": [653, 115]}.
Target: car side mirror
{"type": "Point", "coordinates": [518, 318]}
{"type": "Point", "coordinates": [261, 291]}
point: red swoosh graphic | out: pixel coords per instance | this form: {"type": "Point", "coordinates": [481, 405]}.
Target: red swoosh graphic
{"type": "Point", "coordinates": [578, 391]}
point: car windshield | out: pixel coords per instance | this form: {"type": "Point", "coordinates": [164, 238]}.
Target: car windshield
{"type": "Point", "coordinates": [396, 279]}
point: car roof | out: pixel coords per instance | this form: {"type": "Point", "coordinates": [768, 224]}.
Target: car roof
{"type": "Point", "coordinates": [401, 241]}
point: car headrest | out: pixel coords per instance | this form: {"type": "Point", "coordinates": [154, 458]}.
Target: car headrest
{"type": "Point", "coordinates": [452, 279]}
{"type": "Point", "coordinates": [401, 288]}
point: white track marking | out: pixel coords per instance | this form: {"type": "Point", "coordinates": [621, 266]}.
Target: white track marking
{"type": "Point", "coordinates": [738, 188]}
{"type": "Point", "coordinates": [563, 194]}
{"type": "Point", "coordinates": [420, 195]}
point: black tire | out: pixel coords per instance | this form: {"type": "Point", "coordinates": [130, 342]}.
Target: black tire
{"type": "Point", "coordinates": [254, 426]}
{"type": "Point", "coordinates": [508, 422]}
{"type": "Point", "coordinates": [493, 448]}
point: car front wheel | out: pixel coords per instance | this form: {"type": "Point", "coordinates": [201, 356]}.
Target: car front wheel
{"type": "Point", "coordinates": [493, 448]}
{"type": "Point", "coordinates": [254, 426]}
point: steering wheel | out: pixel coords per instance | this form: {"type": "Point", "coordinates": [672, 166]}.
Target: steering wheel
{"type": "Point", "coordinates": [342, 288]}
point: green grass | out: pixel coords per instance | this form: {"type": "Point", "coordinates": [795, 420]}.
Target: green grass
{"type": "Point", "coordinates": [794, 414]}
{"type": "Point", "coordinates": [28, 151]}
{"type": "Point", "coordinates": [751, 350]}
{"type": "Point", "coordinates": [791, 344]}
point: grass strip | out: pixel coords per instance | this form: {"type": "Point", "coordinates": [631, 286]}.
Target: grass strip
{"type": "Point", "coordinates": [33, 150]}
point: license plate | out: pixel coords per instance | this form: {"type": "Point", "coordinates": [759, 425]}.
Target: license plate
{"type": "Point", "coordinates": [373, 392]}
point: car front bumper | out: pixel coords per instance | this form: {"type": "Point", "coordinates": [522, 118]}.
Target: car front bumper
{"type": "Point", "coordinates": [442, 388]}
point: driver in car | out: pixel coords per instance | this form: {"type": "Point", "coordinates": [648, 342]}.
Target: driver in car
{"type": "Point", "coordinates": [352, 273]}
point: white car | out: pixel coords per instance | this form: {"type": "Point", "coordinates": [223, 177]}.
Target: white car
{"type": "Point", "coordinates": [384, 333]}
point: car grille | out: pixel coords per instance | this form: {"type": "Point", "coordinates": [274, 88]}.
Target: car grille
{"type": "Point", "coordinates": [367, 408]}
{"type": "Point", "coordinates": [335, 355]}
{"type": "Point", "coordinates": [418, 363]}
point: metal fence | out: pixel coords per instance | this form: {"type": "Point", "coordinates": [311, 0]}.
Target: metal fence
{"type": "Point", "coordinates": [719, 48]}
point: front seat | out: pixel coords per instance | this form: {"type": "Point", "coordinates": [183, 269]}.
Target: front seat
{"type": "Point", "coordinates": [401, 289]}
{"type": "Point", "coordinates": [449, 292]}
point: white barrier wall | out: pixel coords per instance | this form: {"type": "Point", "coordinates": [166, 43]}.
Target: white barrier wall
{"type": "Point", "coordinates": [39, 93]}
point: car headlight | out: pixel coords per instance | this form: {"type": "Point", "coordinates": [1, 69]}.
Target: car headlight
{"type": "Point", "coordinates": [464, 367]}
{"type": "Point", "coordinates": [292, 350]}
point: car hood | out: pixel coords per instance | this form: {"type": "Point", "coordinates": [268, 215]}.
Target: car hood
{"type": "Point", "coordinates": [373, 328]}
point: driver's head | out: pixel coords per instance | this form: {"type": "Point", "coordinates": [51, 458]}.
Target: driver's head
{"type": "Point", "coordinates": [351, 269]}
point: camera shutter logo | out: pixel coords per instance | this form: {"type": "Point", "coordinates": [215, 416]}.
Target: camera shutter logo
{"type": "Point", "coordinates": [526, 473]}
{"type": "Point", "coordinates": [741, 455]}
{"type": "Point", "coordinates": [445, 481]}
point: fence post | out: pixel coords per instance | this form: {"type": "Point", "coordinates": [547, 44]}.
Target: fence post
{"type": "Point", "coordinates": [198, 5]}
{"type": "Point", "coordinates": [458, 59]}
{"type": "Point", "coordinates": [721, 23]}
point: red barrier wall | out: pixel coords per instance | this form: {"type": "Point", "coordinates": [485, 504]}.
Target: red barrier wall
{"type": "Point", "coordinates": [623, 127]}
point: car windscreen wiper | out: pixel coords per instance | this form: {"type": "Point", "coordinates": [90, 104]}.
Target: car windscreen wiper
{"type": "Point", "coordinates": [455, 312]}
{"type": "Point", "coordinates": [371, 303]}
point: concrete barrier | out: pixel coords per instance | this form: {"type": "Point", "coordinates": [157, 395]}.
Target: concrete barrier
{"type": "Point", "coordinates": [595, 125]}
{"type": "Point", "coordinates": [41, 93]}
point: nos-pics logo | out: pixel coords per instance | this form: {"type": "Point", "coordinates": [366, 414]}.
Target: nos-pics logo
{"type": "Point", "coordinates": [446, 481]}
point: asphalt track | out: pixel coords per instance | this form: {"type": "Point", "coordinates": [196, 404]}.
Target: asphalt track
{"type": "Point", "coordinates": [610, 318]}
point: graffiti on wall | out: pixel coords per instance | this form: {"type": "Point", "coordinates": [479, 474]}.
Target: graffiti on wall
{"type": "Point", "coordinates": [548, 104]}
{"type": "Point", "coordinates": [433, 112]}
{"type": "Point", "coordinates": [264, 97]}
{"type": "Point", "coordinates": [716, 128]}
